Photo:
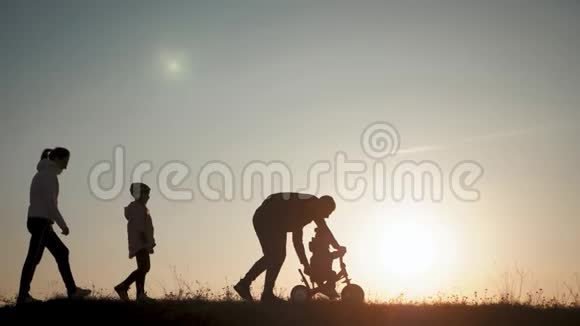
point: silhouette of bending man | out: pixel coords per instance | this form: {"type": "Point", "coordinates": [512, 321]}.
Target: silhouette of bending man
{"type": "Point", "coordinates": [279, 214]}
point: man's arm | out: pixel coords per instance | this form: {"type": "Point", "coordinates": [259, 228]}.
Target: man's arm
{"type": "Point", "coordinates": [299, 247]}
{"type": "Point", "coordinates": [321, 224]}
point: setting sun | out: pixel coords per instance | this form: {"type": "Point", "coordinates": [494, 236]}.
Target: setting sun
{"type": "Point", "coordinates": [173, 66]}
{"type": "Point", "coordinates": [410, 248]}
{"type": "Point", "coordinates": [415, 251]}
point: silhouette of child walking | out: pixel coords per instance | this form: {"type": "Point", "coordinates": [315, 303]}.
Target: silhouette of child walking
{"type": "Point", "coordinates": [141, 241]}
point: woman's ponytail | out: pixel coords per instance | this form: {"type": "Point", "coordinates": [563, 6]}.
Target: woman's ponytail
{"type": "Point", "coordinates": [45, 154]}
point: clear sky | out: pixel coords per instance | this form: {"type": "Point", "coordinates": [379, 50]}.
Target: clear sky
{"type": "Point", "coordinates": [497, 82]}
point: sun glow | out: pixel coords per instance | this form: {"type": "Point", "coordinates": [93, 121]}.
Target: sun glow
{"type": "Point", "coordinates": [416, 252]}
{"type": "Point", "coordinates": [410, 248]}
{"type": "Point", "coordinates": [174, 65]}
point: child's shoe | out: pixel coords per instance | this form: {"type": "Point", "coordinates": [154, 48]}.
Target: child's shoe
{"type": "Point", "coordinates": [243, 290]}
{"type": "Point", "coordinates": [122, 292]}
{"type": "Point", "coordinates": [142, 297]}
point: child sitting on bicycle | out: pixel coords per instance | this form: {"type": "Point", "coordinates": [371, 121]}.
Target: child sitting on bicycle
{"type": "Point", "coordinates": [321, 271]}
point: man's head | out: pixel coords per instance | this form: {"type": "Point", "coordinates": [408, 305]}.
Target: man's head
{"type": "Point", "coordinates": [324, 206]}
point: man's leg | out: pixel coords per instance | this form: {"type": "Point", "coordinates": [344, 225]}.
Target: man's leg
{"type": "Point", "coordinates": [275, 254]}
{"type": "Point", "coordinates": [61, 255]}
{"type": "Point", "coordinates": [263, 233]}
{"type": "Point", "coordinates": [37, 229]}
{"type": "Point", "coordinates": [258, 268]}
{"type": "Point", "coordinates": [243, 286]}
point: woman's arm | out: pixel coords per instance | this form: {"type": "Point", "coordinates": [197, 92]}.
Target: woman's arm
{"type": "Point", "coordinates": [51, 187]}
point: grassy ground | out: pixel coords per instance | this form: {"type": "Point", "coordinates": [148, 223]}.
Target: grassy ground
{"type": "Point", "coordinates": [315, 313]}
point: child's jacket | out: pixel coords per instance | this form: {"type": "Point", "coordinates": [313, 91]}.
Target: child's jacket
{"type": "Point", "coordinates": [139, 228]}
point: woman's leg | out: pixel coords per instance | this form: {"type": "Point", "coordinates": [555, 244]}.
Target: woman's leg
{"type": "Point", "coordinates": [37, 228]}
{"type": "Point", "coordinates": [61, 255]}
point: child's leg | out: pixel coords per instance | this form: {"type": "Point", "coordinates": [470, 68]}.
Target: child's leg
{"type": "Point", "coordinates": [143, 266]}
{"type": "Point", "coordinates": [135, 275]}
{"type": "Point", "coordinates": [330, 289]}
{"type": "Point", "coordinates": [126, 284]}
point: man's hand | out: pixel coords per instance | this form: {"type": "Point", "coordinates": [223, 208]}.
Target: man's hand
{"type": "Point", "coordinates": [65, 231]}
{"type": "Point", "coordinates": [299, 247]}
{"type": "Point", "coordinates": [307, 270]}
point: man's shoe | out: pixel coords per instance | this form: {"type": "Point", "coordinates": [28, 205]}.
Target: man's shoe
{"type": "Point", "coordinates": [271, 298]}
{"type": "Point", "coordinates": [243, 290]}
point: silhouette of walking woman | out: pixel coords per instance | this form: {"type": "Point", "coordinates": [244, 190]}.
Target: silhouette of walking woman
{"type": "Point", "coordinates": [43, 212]}
{"type": "Point", "coordinates": [279, 214]}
